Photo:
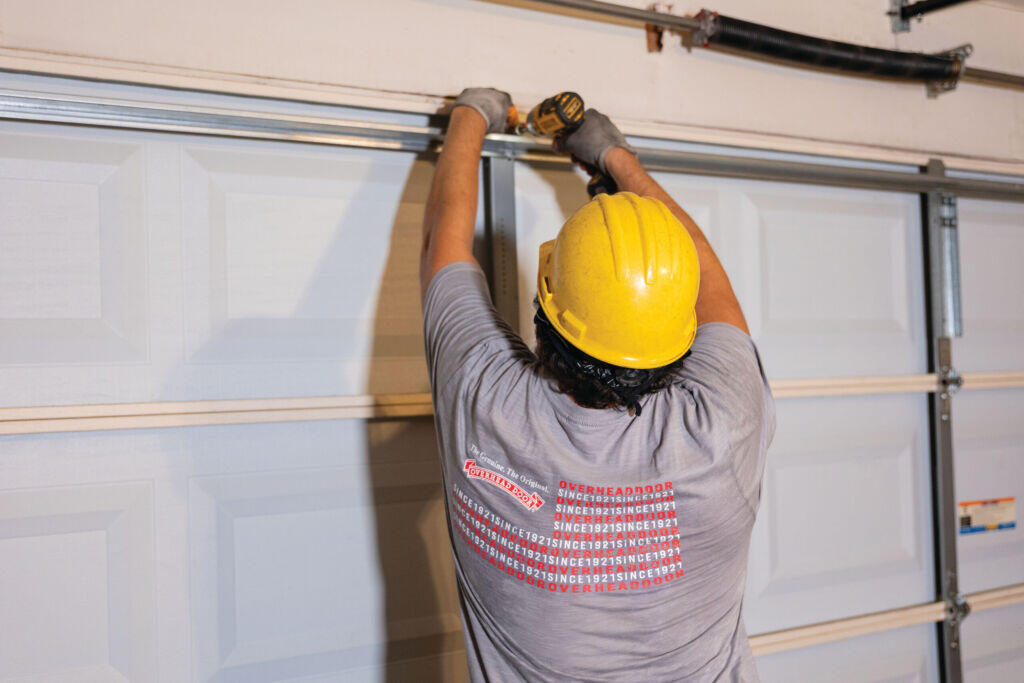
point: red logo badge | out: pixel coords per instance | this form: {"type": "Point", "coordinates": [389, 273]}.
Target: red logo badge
{"type": "Point", "coordinates": [530, 501]}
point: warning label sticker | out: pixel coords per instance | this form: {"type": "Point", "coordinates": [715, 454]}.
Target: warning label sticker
{"type": "Point", "coordinates": [977, 516]}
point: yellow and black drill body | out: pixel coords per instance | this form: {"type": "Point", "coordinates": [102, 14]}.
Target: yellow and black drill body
{"type": "Point", "coordinates": [559, 116]}
{"type": "Point", "coordinates": [556, 116]}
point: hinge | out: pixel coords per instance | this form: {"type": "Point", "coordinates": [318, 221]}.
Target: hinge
{"type": "Point", "coordinates": [957, 609]}
{"type": "Point", "coordinates": [951, 380]}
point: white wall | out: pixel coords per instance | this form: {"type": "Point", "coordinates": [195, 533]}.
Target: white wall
{"type": "Point", "coordinates": [409, 53]}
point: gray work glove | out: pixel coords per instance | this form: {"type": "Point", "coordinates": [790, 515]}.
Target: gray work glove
{"type": "Point", "coordinates": [491, 104]}
{"type": "Point", "coordinates": [590, 142]}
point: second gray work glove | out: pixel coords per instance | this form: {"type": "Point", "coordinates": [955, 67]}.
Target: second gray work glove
{"type": "Point", "coordinates": [491, 104]}
{"type": "Point", "coordinates": [590, 142]}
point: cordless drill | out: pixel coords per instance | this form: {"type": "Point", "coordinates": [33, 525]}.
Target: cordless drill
{"type": "Point", "coordinates": [557, 117]}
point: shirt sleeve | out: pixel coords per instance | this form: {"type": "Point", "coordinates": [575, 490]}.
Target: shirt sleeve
{"type": "Point", "coordinates": [460, 324]}
{"type": "Point", "coordinates": [734, 412]}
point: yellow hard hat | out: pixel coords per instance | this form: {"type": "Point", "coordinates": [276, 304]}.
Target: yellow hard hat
{"type": "Point", "coordinates": [620, 281]}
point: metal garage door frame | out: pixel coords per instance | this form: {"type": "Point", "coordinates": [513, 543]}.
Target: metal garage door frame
{"type": "Point", "coordinates": [938, 193]}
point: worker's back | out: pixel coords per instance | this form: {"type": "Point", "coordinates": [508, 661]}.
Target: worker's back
{"type": "Point", "coordinates": [592, 544]}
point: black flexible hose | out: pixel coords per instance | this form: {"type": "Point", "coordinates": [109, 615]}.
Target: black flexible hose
{"type": "Point", "coordinates": [926, 6]}
{"type": "Point", "coordinates": [772, 42]}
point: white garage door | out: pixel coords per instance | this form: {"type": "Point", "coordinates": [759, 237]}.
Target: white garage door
{"type": "Point", "coordinates": [989, 429]}
{"type": "Point", "coordinates": [831, 283]}
{"type": "Point", "coordinates": [142, 267]}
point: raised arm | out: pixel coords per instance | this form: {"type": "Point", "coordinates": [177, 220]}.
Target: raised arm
{"type": "Point", "coordinates": [599, 142]}
{"type": "Point", "coordinates": [450, 213]}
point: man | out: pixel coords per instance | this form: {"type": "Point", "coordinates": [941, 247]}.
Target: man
{"type": "Point", "coordinates": [600, 493]}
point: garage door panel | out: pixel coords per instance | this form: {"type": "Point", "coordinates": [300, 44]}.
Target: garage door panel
{"type": "Point", "coordinates": [991, 236]}
{"type": "Point", "coordinates": [144, 267]}
{"type": "Point", "coordinates": [854, 252]}
{"type": "Point", "coordinates": [258, 551]}
{"type": "Point", "coordinates": [298, 572]}
{"type": "Point", "coordinates": [993, 645]}
{"type": "Point", "coordinates": [269, 248]}
{"type": "Point", "coordinates": [76, 582]}
{"type": "Point", "coordinates": [831, 284]}
{"type": "Point", "coordinates": [252, 220]}
{"type": "Point", "coordinates": [830, 279]}
{"type": "Point", "coordinates": [73, 267]}
{"type": "Point", "coordinates": [843, 526]}
{"type": "Point", "coordinates": [988, 440]}
{"type": "Point", "coordinates": [281, 593]}
{"type": "Point", "coordinates": [907, 655]}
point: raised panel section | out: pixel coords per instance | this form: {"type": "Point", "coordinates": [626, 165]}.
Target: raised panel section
{"type": "Point", "coordinates": [76, 583]}
{"type": "Point", "coordinates": [57, 583]}
{"type": "Point", "coordinates": [320, 548]}
{"type": "Point", "coordinates": [906, 655]}
{"type": "Point", "coordinates": [993, 645]}
{"type": "Point", "coordinates": [839, 289]}
{"type": "Point", "coordinates": [988, 447]}
{"type": "Point", "coordinates": [143, 266]}
{"type": "Point", "coordinates": [843, 526]}
{"type": "Point", "coordinates": [991, 242]}
{"type": "Point", "coordinates": [825, 490]}
{"type": "Point", "coordinates": [830, 279]}
{"type": "Point", "coordinates": [50, 266]}
{"type": "Point", "coordinates": [304, 256]}
{"type": "Point", "coordinates": [853, 250]}
{"type": "Point", "coordinates": [325, 571]}
{"type": "Point", "coordinates": [73, 263]}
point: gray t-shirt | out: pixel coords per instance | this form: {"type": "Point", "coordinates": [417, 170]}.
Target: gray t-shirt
{"type": "Point", "coordinates": [591, 545]}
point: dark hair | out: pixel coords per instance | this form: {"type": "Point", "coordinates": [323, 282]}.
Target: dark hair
{"type": "Point", "coordinates": [593, 383]}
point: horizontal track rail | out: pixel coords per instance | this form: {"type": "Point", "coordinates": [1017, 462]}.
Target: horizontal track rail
{"type": "Point", "coordinates": [110, 416]}
{"type": "Point", "coordinates": [16, 105]}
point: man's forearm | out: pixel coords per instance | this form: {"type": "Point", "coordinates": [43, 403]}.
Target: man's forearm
{"type": "Point", "coordinates": [716, 300]}
{"type": "Point", "coordinates": [451, 204]}
{"type": "Point", "coordinates": [631, 176]}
